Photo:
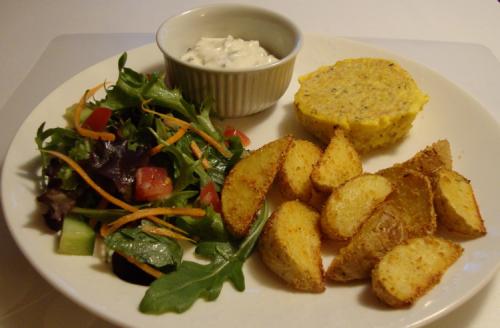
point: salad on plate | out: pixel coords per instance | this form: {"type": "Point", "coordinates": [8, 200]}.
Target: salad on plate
{"type": "Point", "coordinates": [141, 169]}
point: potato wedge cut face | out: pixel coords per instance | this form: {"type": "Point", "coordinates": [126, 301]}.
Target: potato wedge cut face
{"type": "Point", "coordinates": [456, 204]}
{"type": "Point", "coordinates": [410, 270]}
{"type": "Point", "coordinates": [294, 176]}
{"type": "Point", "coordinates": [351, 204]}
{"type": "Point", "coordinates": [339, 163]}
{"type": "Point", "coordinates": [290, 246]}
{"type": "Point", "coordinates": [247, 184]}
{"type": "Point", "coordinates": [383, 230]}
{"type": "Point", "coordinates": [412, 195]}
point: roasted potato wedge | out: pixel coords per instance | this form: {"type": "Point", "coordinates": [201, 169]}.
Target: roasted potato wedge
{"type": "Point", "coordinates": [247, 184]}
{"type": "Point", "coordinates": [294, 175]}
{"type": "Point", "coordinates": [339, 163]}
{"type": "Point", "coordinates": [456, 205]}
{"type": "Point", "coordinates": [383, 230]}
{"type": "Point", "coordinates": [430, 159]}
{"type": "Point", "coordinates": [410, 270]}
{"type": "Point", "coordinates": [414, 197]}
{"type": "Point", "coordinates": [290, 246]}
{"type": "Point", "coordinates": [351, 204]}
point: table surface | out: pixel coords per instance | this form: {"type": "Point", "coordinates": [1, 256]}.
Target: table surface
{"type": "Point", "coordinates": [27, 28]}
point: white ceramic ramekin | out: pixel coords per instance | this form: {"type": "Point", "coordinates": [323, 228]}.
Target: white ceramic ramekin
{"type": "Point", "coordinates": [237, 92]}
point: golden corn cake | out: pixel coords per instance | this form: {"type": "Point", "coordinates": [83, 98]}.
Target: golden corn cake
{"type": "Point", "coordinates": [374, 100]}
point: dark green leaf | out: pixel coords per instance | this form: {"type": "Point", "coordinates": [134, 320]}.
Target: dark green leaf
{"type": "Point", "coordinates": [176, 199]}
{"type": "Point", "coordinates": [155, 250]}
{"type": "Point", "coordinates": [122, 61]}
{"type": "Point", "coordinates": [176, 292]}
{"type": "Point", "coordinates": [210, 227]}
{"type": "Point", "coordinates": [104, 215]}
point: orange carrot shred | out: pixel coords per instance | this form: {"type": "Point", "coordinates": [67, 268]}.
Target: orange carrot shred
{"type": "Point", "coordinates": [221, 148]}
{"type": "Point", "coordinates": [90, 182]}
{"type": "Point", "coordinates": [173, 139]}
{"type": "Point", "coordinates": [143, 266]}
{"type": "Point", "coordinates": [199, 154]}
{"type": "Point", "coordinates": [169, 120]}
{"type": "Point", "coordinates": [115, 225]}
{"type": "Point", "coordinates": [161, 232]}
{"type": "Point", "coordinates": [104, 193]}
{"type": "Point", "coordinates": [76, 118]}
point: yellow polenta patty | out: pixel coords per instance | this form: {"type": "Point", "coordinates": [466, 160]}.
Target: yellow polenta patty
{"type": "Point", "coordinates": [374, 100]}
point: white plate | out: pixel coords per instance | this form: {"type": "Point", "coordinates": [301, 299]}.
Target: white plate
{"type": "Point", "coordinates": [451, 113]}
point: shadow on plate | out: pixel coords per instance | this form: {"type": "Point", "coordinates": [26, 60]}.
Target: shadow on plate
{"type": "Point", "coordinates": [290, 125]}
{"type": "Point", "coordinates": [256, 269]}
{"type": "Point", "coordinates": [28, 171]}
{"type": "Point", "coordinates": [368, 299]}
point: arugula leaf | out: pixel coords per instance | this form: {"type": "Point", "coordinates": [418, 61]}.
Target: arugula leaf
{"type": "Point", "coordinates": [155, 250]}
{"type": "Point", "coordinates": [203, 121]}
{"type": "Point", "coordinates": [132, 88]}
{"type": "Point", "coordinates": [184, 165]}
{"type": "Point", "coordinates": [176, 199]}
{"type": "Point", "coordinates": [210, 227]}
{"type": "Point", "coordinates": [178, 291]}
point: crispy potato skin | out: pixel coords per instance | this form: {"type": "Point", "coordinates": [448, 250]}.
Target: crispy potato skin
{"type": "Point", "coordinates": [339, 163]}
{"type": "Point", "coordinates": [290, 246]}
{"type": "Point", "coordinates": [247, 184]}
{"type": "Point", "coordinates": [378, 234]}
{"type": "Point", "coordinates": [456, 204]}
{"type": "Point", "coordinates": [413, 196]}
{"type": "Point", "coordinates": [408, 212]}
{"type": "Point", "coordinates": [351, 204]}
{"type": "Point", "coordinates": [294, 175]}
{"type": "Point", "coordinates": [410, 270]}
{"type": "Point", "coordinates": [431, 158]}
{"type": "Point", "coordinates": [427, 161]}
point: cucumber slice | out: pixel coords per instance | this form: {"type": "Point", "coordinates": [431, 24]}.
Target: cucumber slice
{"type": "Point", "coordinates": [77, 237]}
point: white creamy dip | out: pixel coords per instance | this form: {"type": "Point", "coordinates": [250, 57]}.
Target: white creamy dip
{"type": "Point", "coordinates": [227, 53]}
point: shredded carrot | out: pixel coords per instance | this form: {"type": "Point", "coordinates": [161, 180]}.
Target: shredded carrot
{"type": "Point", "coordinates": [220, 147]}
{"type": "Point", "coordinates": [199, 154]}
{"type": "Point", "coordinates": [173, 139]}
{"type": "Point", "coordinates": [76, 118]}
{"type": "Point", "coordinates": [170, 226]}
{"type": "Point", "coordinates": [90, 182]}
{"type": "Point", "coordinates": [105, 194]}
{"type": "Point", "coordinates": [168, 119]}
{"type": "Point", "coordinates": [161, 232]}
{"type": "Point", "coordinates": [137, 215]}
{"type": "Point", "coordinates": [143, 266]}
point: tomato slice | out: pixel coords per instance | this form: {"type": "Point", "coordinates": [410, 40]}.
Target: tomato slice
{"type": "Point", "coordinates": [232, 132]}
{"type": "Point", "coordinates": [98, 120]}
{"type": "Point", "coordinates": [152, 183]}
{"type": "Point", "coordinates": [209, 196]}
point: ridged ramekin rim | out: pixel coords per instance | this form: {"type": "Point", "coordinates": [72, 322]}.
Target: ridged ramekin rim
{"type": "Point", "coordinates": [290, 56]}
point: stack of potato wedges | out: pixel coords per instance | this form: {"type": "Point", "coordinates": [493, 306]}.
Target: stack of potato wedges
{"type": "Point", "coordinates": [387, 220]}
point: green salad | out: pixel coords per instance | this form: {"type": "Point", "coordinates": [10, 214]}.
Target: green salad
{"type": "Point", "coordinates": [142, 169]}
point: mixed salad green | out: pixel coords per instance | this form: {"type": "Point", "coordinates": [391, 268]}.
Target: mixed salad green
{"type": "Point", "coordinates": [143, 149]}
